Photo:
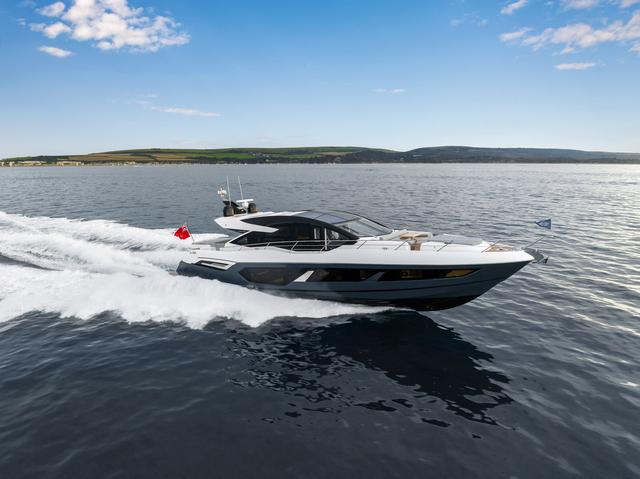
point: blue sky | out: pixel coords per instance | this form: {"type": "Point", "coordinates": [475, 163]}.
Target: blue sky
{"type": "Point", "coordinates": [82, 76]}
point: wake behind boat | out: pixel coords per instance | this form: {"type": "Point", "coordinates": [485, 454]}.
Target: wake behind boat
{"type": "Point", "coordinates": [340, 256]}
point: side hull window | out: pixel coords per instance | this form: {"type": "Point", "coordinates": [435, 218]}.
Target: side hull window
{"type": "Point", "coordinates": [277, 276]}
{"type": "Point", "coordinates": [354, 275]}
{"type": "Point", "coordinates": [417, 274]}
{"type": "Point", "coordinates": [284, 276]}
{"type": "Point", "coordinates": [341, 274]}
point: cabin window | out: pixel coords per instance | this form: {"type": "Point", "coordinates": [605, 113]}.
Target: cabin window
{"type": "Point", "coordinates": [307, 237]}
{"type": "Point", "coordinates": [335, 239]}
{"type": "Point", "coordinates": [418, 274]}
{"type": "Point", "coordinates": [251, 238]}
{"type": "Point", "coordinates": [277, 276]}
{"type": "Point", "coordinates": [297, 237]}
{"type": "Point", "coordinates": [363, 227]}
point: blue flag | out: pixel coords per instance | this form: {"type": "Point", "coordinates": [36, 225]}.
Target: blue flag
{"type": "Point", "coordinates": [544, 223]}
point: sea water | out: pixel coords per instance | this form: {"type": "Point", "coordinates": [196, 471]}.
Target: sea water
{"type": "Point", "coordinates": [111, 366]}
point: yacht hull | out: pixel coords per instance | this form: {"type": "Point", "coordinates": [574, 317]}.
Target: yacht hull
{"type": "Point", "coordinates": [432, 294]}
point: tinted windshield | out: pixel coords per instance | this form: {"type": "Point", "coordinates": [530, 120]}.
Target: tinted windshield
{"type": "Point", "coordinates": [364, 227]}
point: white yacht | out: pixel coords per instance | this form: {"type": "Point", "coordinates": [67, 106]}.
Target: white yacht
{"type": "Point", "coordinates": [340, 256]}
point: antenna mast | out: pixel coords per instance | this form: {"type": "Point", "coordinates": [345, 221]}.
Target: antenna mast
{"type": "Point", "coordinates": [240, 185]}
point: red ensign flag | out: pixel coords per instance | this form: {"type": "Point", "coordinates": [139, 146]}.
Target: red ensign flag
{"type": "Point", "coordinates": [182, 232]}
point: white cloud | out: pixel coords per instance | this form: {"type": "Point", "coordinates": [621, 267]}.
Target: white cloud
{"type": "Point", "coordinates": [389, 90]}
{"type": "Point", "coordinates": [147, 102]}
{"type": "Point", "coordinates": [471, 18]}
{"type": "Point", "coordinates": [112, 25]}
{"type": "Point", "coordinates": [185, 111]}
{"type": "Point", "coordinates": [628, 3]}
{"type": "Point", "coordinates": [581, 35]}
{"type": "Point", "coordinates": [50, 31]}
{"type": "Point", "coordinates": [566, 50]}
{"type": "Point", "coordinates": [53, 10]}
{"type": "Point", "coordinates": [55, 52]}
{"type": "Point", "coordinates": [579, 4]}
{"type": "Point", "coordinates": [512, 36]}
{"type": "Point", "coordinates": [512, 7]}
{"type": "Point", "coordinates": [575, 66]}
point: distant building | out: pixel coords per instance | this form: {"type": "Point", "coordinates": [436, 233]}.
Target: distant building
{"type": "Point", "coordinates": [69, 163]}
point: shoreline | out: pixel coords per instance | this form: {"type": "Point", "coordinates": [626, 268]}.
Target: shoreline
{"type": "Point", "coordinates": [30, 164]}
{"type": "Point", "coordinates": [327, 155]}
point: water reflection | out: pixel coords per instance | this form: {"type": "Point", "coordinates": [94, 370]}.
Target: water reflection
{"type": "Point", "coordinates": [349, 363]}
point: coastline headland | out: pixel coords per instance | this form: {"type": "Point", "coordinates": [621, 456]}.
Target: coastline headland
{"type": "Point", "coordinates": [327, 155]}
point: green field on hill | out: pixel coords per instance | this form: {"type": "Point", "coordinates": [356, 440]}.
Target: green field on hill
{"type": "Point", "coordinates": [327, 154]}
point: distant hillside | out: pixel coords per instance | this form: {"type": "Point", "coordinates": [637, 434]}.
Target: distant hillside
{"type": "Point", "coordinates": [469, 154]}
{"type": "Point", "coordinates": [331, 154]}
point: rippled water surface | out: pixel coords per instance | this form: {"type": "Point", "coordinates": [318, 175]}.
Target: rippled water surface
{"type": "Point", "coordinates": [112, 367]}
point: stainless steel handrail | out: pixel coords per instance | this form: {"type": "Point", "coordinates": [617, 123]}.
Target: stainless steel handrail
{"type": "Point", "coordinates": [400, 245]}
{"type": "Point", "coordinates": [299, 245]}
{"type": "Point", "coordinates": [325, 244]}
{"type": "Point", "coordinates": [446, 243]}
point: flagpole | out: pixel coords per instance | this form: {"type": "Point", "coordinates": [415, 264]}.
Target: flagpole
{"type": "Point", "coordinates": [539, 239]}
{"type": "Point", "coordinates": [190, 235]}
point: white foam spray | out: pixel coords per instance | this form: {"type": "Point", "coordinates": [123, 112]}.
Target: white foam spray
{"type": "Point", "coordinates": [95, 266]}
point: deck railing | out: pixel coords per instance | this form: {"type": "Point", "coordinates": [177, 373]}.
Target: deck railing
{"type": "Point", "coordinates": [318, 246]}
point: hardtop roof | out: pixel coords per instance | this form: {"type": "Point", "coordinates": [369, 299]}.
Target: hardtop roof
{"type": "Point", "coordinates": [328, 216]}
